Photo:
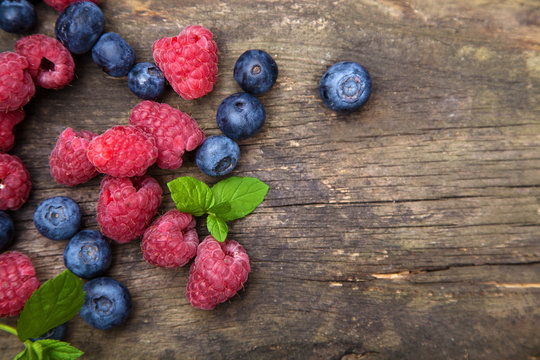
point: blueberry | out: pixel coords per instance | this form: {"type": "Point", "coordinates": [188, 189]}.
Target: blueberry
{"type": "Point", "coordinates": [217, 156]}
{"type": "Point", "coordinates": [240, 116]}
{"type": "Point", "coordinates": [87, 254]}
{"type": "Point", "coordinates": [107, 303]}
{"type": "Point", "coordinates": [57, 218]}
{"type": "Point", "coordinates": [6, 230]}
{"type": "Point", "coordinates": [146, 81]}
{"type": "Point", "coordinates": [255, 71]}
{"type": "Point", "coordinates": [56, 333]}
{"type": "Point", "coordinates": [17, 16]}
{"type": "Point", "coordinates": [79, 26]}
{"type": "Point", "coordinates": [345, 86]}
{"type": "Point", "coordinates": [113, 54]}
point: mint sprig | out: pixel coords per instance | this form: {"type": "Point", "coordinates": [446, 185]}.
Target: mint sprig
{"type": "Point", "coordinates": [228, 200]}
{"type": "Point", "coordinates": [53, 304]}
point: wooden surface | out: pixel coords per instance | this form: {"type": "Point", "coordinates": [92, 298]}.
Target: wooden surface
{"type": "Point", "coordinates": [408, 230]}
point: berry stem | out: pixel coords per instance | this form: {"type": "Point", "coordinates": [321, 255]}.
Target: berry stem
{"type": "Point", "coordinates": [8, 329]}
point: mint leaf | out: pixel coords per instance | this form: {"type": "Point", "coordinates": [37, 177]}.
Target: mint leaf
{"type": "Point", "coordinates": [191, 195]}
{"type": "Point", "coordinates": [217, 227]}
{"type": "Point", "coordinates": [32, 351]}
{"type": "Point", "coordinates": [244, 194]}
{"type": "Point", "coordinates": [59, 350]}
{"type": "Point", "coordinates": [219, 209]}
{"type": "Point", "coordinates": [54, 303]}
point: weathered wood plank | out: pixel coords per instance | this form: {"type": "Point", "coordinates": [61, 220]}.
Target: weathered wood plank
{"type": "Point", "coordinates": [407, 230]}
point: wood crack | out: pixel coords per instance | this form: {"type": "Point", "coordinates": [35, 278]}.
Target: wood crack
{"type": "Point", "coordinates": [406, 274]}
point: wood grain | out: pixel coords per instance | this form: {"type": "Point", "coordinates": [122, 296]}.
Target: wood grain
{"type": "Point", "coordinates": [408, 230]}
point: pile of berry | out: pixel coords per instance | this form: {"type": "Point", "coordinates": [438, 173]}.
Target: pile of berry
{"type": "Point", "coordinates": [156, 134]}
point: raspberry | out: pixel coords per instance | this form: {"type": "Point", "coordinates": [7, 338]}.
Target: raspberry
{"type": "Point", "coordinates": [15, 182]}
{"type": "Point", "coordinates": [17, 282]}
{"type": "Point", "coordinates": [123, 151]}
{"type": "Point", "coordinates": [50, 63]}
{"type": "Point", "coordinates": [175, 132]}
{"type": "Point", "coordinates": [219, 271]}
{"type": "Point", "coordinates": [7, 121]}
{"type": "Point", "coordinates": [126, 206]}
{"type": "Point", "coordinates": [188, 61]}
{"type": "Point", "coordinates": [68, 161]}
{"type": "Point", "coordinates": [171, 241]}
{"type": "Point", "coordinates": [60, 5]}
{"type": "Point", "coordinates": [16, 85]}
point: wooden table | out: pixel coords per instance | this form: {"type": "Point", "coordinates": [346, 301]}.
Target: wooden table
{"type": "Point", "coordinates": [408, 230]}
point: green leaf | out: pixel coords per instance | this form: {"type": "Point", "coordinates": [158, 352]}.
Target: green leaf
{"type": "Point", "coordinates": [36, 351]}
{"type": "Point", "coordinates": [59, 350]}
{"type": "Point", "coordinates": [221, 208]}
{"type": "Point", "coordinates": [217, 227]}
{"type": "Point", "coordinates": [54, 303]}
{"type": "Point", "coordinates": [191, 195]}
{"type": "Point", "coordinates": [32, 351]}
{"type": "Point", "coordinates": [244, 194]}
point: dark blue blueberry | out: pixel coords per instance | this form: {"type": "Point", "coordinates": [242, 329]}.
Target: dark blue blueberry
{"type": "Point", "coordinates": [113, 54]}
{"type": "Point", "coordinates": [56, 333]}
{"type": "Point", "coordinates": [58, 218]}
{"type": "Point", "coordinates": [217, 156]}
{"type": "Point", "coordinates": [255, 71]}
{"type": "Point", "coordinates": [17, 16]}
{"type": "Point", "coordinates": [6, 230]}
{"type": "Point", "coordinates": [79, 26]}
{"type": "Point", "coordinates": [240, 116]}
{"type": "Point", "coordinates": [345, 86]}
{"type": "Point", "coordinates": [146, 81]}
{"type": "Point", "coordinates": [87, 254]}
{"type": "Point", "coordinates": [107, 303]}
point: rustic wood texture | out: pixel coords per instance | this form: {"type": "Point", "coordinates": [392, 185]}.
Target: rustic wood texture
{"type": "Point", "coordinates": [408, 230]}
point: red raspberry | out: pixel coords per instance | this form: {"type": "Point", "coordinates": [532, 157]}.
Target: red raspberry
{"type": "Point", "coordinates": [50, 63]}
{"type": "Point", "coordinates": [175, 132]}
{"type": "Point", "coordinates": [171, 241]}
{"type": "Point", "coordinates": [60, 5]}
{"type": "Point", "coordinates": [16, 85]}
{"type": "Point", "coordinates": [219, 271]}
{"type": "Point", "coordinates": [17, 282]}
{"type": "Point", "coordinates": [68, 161]}
{"type": "Point", "coordinates": [15, 182]}
{"type": "Point", "coordinates": [126, 206]}
{"type": "Point", "coordinates": [123, 151]}
{"type": "Point", "coordinates": [7, 121]}
{"type": "Point", "coordinates": [188, 61]}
